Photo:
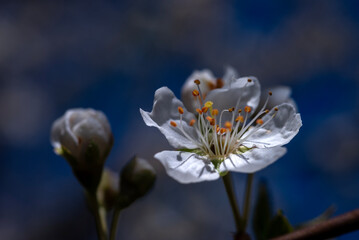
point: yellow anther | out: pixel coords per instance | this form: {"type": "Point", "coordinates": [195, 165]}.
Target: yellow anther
{"type": "Point", "coordinates": [180, 110]}
{"type": "Point", "coordinates": [276, 109]}
{"type": "Point", "coordinates": [223, 130]}
{"type": "Point", "coordinates": [239, 110]}
{"type": "Point", "coordinates": [197, 81]}
{"type": "Point", "coordinates": [195, 93]}
{"type": "Point", "coordinates": [173, 124]}
{"type": "Point", "coordinates": [270, 93]}
{"type": "Point", "coordinates": [231, 109]}
{"type": "Point", "coordinates": [204, 109]}
{"type": "Point", "coordinates": [266, 111]}
{"type": "Point", "coordinates": [240, 118]}
{"type": "Point", "coordinates": [214, 112]}
{"type": "Point", "coordinates": [247, 109]}
{"type": "Point", "coordinates": [208, 104]}
{"type": "Point", "coordinates": [259, 121]}
{"type": "Point", "coordinates": [199, 111]}
{"type": "Point", "coordinates": [249, 80]}
{"type": "Point", "coordinates": [191, 123]}
{"type": "Point", "coordinates": [228, 125]}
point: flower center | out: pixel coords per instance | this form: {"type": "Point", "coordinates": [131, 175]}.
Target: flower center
{"type": "Point", "coordinates": [217, 139]}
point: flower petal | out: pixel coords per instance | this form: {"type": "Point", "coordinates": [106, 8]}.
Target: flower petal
{"type": "Point", "coordinates": [252, 160]}
{"type": "Point", "coordinates": [230, 75]}
{"type": "Point", "coordinates": [239, 93]}
{"type": "Point", "coordinates": [165, 110]}
{"type": "Point", "coordinates": [279, 130]}
{"type": "Point", "coordinates": [187, 167]}
{"type": "Point", "coordinates": [208, 82]}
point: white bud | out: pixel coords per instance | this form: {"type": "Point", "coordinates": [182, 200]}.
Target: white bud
{"type": "Point", "coordinates": [80, 129]}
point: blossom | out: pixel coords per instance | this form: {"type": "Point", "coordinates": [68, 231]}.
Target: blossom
{"type": "Point", "coordinates": [222, 134]}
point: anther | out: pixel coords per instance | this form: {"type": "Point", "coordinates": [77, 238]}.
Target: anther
{"type": "Point", "coordinates": [191, 123]}
{"type": "Point", "coordinates": [249, 80]}
{"type": "Point", "coordinates": [239, 110]}
{"type": "Point", "coordinates": [204, 109]}
{"type": "Point", "coordinates": [259, 121]}
{"type": "Point", "coordinates": [223, 130]}
{"type": "Point", "coordinates": [195, 93]}
{"type": "Point", "coordinates": [214, 112]}
{"type": "Point", "coordinates": [276, 109]}
{"type": "Point", "coordinates": [228, 125]}
{"type": "Point", "coordinates": [231, 109]}
{"type": "Point", "coordinates": [197, 81]}
{"type": "Point", "coordinates": [240, 118]}
{"type": "Point", "coordinates": [210, 120]}
{"type": "Point", "coordinates": [219, 83]}
{"type": "Point", "coordinates": [270, 93]}
{"type": "Point", "coordinates": [247, 109]}
{"type": "Point", "coordinates": [199, 111]}
{"type": "Point", "coordinates": [266, 111]}
{"type": "Point", "coordinates": [208, 104]}
{"type": "Point", "coordinates": [180, 110]}
{"type": "Point", "coordinates": [173, 124]}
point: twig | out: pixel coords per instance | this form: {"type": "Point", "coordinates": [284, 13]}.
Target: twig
{"type": "Point", "coordinates": [330, 228]}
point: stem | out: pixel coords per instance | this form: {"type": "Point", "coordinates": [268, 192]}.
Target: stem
{"type": "Point", "coordinates": [247, 200]}
{"type": "Point", "coordinates": [345, 223]}
{"type": "Point", "coordinates": [232, 200]}
{"type": "Point", "coordinates": [114, 224]}
{"type": "Point", "coordinates": [101, 228]}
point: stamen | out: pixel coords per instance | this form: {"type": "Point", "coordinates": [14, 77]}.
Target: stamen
{"type": "Point", "coordinates": [197, 81]}
{"type": "Point", "coordinates": [259, 121]}
{"type": "Point", "coordinates": [214, 112]}
{"type": "Point", "coordinates": [191, 123]}
{"type": "Point", "coordinates": [204, 109]}
{"type": "Point", "coordinates": [180, 110]}
{"type": "Point", "coordinates": [223, 130]}
{"type": "Point", "coordinates": [270, 93]}
{"type": "Point", "coordinates": [276, 109]}
{"type": "Point", "coordinates": [231, 109]}
{"type": "Point", "coordinates": [199, 111]}
{"type": "Point", "coordinates": [240, 118]}
{"type": "Point", "coordinates": [195, 93]}
{"type": "Point", "coordinates": [266, 111]}
{"type": "Point", "coordinates": [249, 80]}
{"type": "Point", "coordinates": [208, 104]}
{"type": "Point", "coordinates": [239, 110]}
{"type": "Point", "coordinates": [173, 124]}
{"type": "Point", "coordinates": [228, 125]}
{"type": "Point", "coordinates": [247, 109]}
{"type": "Point", "coordinates": [211, 120]}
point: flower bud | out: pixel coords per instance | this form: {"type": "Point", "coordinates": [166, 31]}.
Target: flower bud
{"type": "Point", "coordinates": [137, 178]}
{"type": "Point", "coordinates": [84, 138]}
{"type": "Point", "coordinates": [108, 189]}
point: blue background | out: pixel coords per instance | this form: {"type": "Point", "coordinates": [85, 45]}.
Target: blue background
{"type": "Point", "coordinates": [112, 56]}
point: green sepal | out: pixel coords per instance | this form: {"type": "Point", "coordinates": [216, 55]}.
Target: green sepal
{"type": "Point", "coordinates": [279, 226]}
{"type": "Point", "coordinates": [262, 212]}
{"type": "Point", "coordinates": [196, 151]}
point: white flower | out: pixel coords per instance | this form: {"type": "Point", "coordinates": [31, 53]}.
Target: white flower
{"type": "Point", "coordinates": [221, 134]}
{"type": "Point", "coordinates": [79, 131]}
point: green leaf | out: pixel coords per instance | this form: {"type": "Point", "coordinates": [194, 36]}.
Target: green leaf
{"type": "Point", "coordinates": [279, 225]}
{"type": "Point", "coordinates": [262, 212]}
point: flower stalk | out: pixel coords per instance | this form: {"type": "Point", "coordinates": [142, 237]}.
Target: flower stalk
{"type": "Point", "coordinates": [232, 200]}
{"type": "Point", "coordinates": [114, 223]}
{"type": "Point", "coordinates": [247, 200]}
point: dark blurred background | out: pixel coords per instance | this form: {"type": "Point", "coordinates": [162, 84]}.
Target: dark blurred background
{"type": "Point", "coordinates": [113, 56]}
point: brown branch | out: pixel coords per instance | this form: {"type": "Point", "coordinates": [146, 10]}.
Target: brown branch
{"type": "Point", "coordinates": [345, 223]}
